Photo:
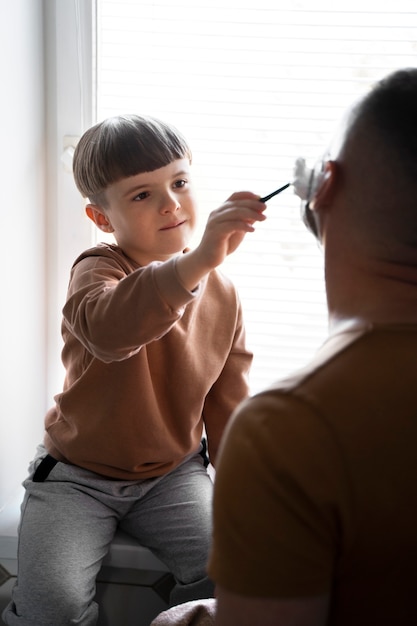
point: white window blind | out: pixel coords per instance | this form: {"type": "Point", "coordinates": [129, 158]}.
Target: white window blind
{"type": "Point", "coordinates": [253, 86]}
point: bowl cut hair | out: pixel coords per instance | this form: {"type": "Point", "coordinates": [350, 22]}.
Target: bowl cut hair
{"type": "Point", "coordinates": [123, 146]}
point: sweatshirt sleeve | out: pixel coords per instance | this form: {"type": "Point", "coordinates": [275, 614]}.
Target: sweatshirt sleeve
{"type": "Point", "coordinates": [113, 310]}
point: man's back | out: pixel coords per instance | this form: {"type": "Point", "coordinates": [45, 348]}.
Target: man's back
{"type": "Point", "coordinates": [326, 465]}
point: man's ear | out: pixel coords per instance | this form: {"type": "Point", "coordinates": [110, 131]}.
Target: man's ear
{"type": "Point", "coordinates": [327, 186]}
{"type": "Point", "coordinates": [98, 216]}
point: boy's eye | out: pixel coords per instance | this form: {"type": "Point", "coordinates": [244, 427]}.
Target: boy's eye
{"type": "Point", "coordinates": [141, 196]}
{"type": "Point", "coordinates": [180, 183]}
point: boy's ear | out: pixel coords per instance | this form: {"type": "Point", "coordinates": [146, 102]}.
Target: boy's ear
{"type": "Point", "coordinates": [98, 216]}
{"type": "Point", "coordinates": [326, 189]}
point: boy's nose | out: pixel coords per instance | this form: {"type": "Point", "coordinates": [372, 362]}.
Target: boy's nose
{"type": "Point", "coordinates": [169, 204]}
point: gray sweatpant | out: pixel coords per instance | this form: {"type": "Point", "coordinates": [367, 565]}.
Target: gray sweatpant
{"type": "Point", "coordinates": [68, 522]}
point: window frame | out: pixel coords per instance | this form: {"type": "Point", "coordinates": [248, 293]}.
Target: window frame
{"type": "Point", "coordinates": [69, 72]}
{"type": "Point", "coordinates": [75, 69]}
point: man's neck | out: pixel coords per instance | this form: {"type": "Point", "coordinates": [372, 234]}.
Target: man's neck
{"type": "Point", "coordinates": [375, 297]}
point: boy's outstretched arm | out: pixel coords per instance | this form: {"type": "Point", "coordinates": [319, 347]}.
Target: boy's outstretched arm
{"type": "Point", "coordinates": [225, 229]}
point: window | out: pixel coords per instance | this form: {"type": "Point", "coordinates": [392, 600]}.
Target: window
{"type": "Point", "coordinates": [253, 86]}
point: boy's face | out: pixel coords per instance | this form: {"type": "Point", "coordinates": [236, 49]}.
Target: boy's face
{"type": "Point", "coordinates": [152, 215]}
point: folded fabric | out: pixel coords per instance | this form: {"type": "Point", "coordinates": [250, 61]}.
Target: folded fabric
{"type": "Point", "coordinates": [194, 613]}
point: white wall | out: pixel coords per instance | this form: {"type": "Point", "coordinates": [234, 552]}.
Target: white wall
{"type": "Point", "coordinates": [22, 221]}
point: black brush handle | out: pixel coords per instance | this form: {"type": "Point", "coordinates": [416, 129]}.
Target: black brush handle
{"type": "Point", "coordinates": [274, 193]}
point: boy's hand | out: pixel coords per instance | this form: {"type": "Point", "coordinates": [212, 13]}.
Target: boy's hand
{"type": "Point", "coordinates": [227, 226]}
{"type": "Point", "coordinates": [225, 229]}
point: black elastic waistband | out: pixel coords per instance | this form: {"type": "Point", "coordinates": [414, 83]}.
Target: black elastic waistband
{"type": "Point", "coordinates": [44, 468]}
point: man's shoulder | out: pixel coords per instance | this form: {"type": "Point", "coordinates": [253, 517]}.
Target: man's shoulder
{"type": "Point", "coordinates": [355, 374]}
{"type": "Point", "coordinates": [360, 347]}
{"type": "Point", "coordinates": [333, 349]}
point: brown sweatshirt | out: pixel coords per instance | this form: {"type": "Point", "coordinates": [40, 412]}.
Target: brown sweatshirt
{"type": "Point", "coordinates": [148, 365]}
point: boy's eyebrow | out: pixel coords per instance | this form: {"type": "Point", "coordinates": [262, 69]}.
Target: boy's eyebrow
{"type": "Point", "coordinates": [134, 188]}
{"type": "Point", "coordinates": [181, 173]}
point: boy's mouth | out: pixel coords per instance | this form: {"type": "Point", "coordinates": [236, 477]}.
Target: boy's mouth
{"type": "Point", "coordinates": [173, 225]}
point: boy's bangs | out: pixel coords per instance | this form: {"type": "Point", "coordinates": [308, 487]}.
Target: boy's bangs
{"type": "Point", "coordinates": [133, 154]}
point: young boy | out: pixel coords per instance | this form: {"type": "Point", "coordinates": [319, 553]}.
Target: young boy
{"type": "Point", "coordinates": [154, 351]}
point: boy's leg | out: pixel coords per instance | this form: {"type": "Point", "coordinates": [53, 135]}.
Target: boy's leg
{"type": "Point", "coordinates": [64, 534]}
{"type": "Point", "coordinates": [174, 520]}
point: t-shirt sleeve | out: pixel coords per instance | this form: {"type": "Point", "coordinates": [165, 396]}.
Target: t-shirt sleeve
{"type": "Point", "coordinates": [279, 500]}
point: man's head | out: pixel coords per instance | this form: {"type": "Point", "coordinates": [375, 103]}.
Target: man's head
{"type": "Point", "coordinates": [373, 162]}
{"type": "Point", "coordinates": [120, 147]}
